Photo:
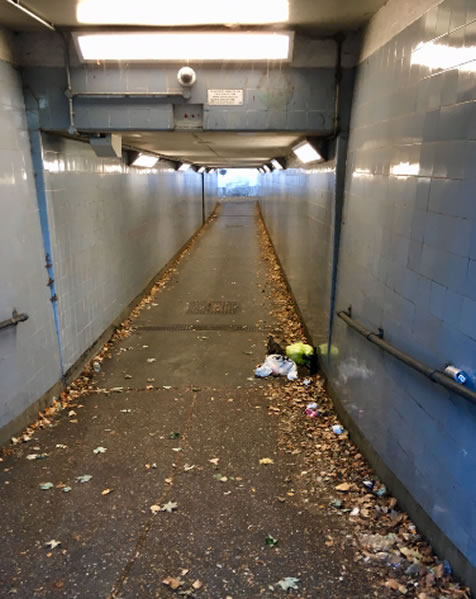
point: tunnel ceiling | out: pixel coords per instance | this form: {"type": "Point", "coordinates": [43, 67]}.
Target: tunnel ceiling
{"type": "Point", "coordinates": [321, 16]}
{"type": "Point", "coordinates": [227, 149]}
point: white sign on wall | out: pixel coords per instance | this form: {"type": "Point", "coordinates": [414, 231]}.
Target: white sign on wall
{"type": "Point", "coordinates": [225, 97]}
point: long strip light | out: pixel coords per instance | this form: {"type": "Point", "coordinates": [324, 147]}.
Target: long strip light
{"type": "Point", "coordinates": [30, 13]}
{"type": "Point", "coordinates": [266, 168]}
{"type": "Point", "coordinates": [184, 167]}
{"type": "Point", "coordinates": [185, 12]}
{"type": "Point", "coordinates": [201, 170]}
{"type": "Point", "coordinates": [306, 153]}
{"type": "Point", "coordinates": [182, 46]}
{"type": "Point", "coordinates": [277, 165]}
{"type": "Point", "coordinates": [145, 161]}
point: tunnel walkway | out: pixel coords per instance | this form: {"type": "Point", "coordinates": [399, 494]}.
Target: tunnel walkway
{"type": "Point", "coordinates": [175, 420]}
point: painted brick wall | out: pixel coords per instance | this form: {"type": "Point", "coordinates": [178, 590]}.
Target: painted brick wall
{"type": "Point", "coordinates": [298, 209]}
{"type": "Point", "coordinates": [113, 227]}
{"type": "Point", "coordinates": [29, 363]}
{"type": "Point", "coordinates": [407, 259]}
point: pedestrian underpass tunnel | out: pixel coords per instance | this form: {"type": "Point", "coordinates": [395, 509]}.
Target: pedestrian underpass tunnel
{"type": "Point", "coordinates": [348, 130]}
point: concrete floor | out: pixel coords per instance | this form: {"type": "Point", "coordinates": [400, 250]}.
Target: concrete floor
{"type": "Point", "coordinates": [159, 443]}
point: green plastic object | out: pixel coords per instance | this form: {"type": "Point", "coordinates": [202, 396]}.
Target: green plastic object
{"type": "Point", "coordinates": [300, 353]}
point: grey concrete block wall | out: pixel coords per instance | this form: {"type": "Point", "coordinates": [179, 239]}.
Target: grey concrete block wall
{"type": "Point", "coordinates": [298, 206]}
{"type": "Point", "coordinates": [113, 228]}
{"type": "Point", "coordinates": [29, 364]}
{"type": "Point", "coordinates": [407, 260]}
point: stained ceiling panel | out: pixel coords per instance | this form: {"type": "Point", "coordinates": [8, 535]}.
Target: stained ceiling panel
{"type": "Point", "coordinates": [215, 148]}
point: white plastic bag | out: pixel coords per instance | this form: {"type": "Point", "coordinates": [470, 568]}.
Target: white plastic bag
{"type": "Point", "coordinates": [277, 366]}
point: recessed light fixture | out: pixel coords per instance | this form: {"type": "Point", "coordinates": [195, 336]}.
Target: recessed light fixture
{"type": "Point", "coordinates": [186, 12]}
{"type": "Point", "coordinates": [145, 161]}
{"type": "Point", "coordinates": [307, 153]}
{"type": "Point", "coordinates": [201, 170]}
{"type": "Point", "coordinates": [184, 167]}
{"type": "Point", "coordinates": [277, 165]}
{"type": "Point", "coordinates": [183, 46]}
{"type": "Point", "coordinates": [266, 168]}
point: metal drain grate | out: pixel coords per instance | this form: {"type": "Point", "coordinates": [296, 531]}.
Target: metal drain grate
{"type": "Point", "coordinates": [249, 328]}
{"type": "Point", "coordinates": [217, 307]}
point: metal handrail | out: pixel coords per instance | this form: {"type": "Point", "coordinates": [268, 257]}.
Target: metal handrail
{"type": "Point", "coordinates": [435, 375]}
{"type": "Point", "coordinates": [13, 321]}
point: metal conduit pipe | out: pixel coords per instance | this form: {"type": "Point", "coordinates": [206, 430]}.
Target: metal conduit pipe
{"type": "Point", "coordinates": [13, 321]}
{"type": "Point", "coordinates": [437, 376]}
{"type": "Point", "coordinates": [168, 94]}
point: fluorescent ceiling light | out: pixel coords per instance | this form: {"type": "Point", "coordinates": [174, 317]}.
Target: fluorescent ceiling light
{"type": "Point", "coordinates": [145, 161]}
{"type": "Point", "coordinates": [306, 153]}
{"type": "Point", "coordinates": [185, 12]}
{"type": "Point", "coordinates": [183, 46]}
{"type": "Point", "coordinates": [184, 167]}
{"type": "Point", "coordinates": [201, 170]}
{"type": "Point", "coordinates": [266, 168]}
{"type": "Point", "coordinates": [277, 165]}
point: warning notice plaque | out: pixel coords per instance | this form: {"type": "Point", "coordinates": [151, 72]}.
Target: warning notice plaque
{"type": "Point", "coordinates": [225, 97]}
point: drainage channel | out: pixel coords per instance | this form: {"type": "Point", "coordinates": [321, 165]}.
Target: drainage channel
{"type": "Point", "coordinates": [247, 328]}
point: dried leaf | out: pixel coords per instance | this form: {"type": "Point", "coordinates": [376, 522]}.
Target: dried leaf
{"type": "Point", "coordinates": [266, 461]}
{"type": "Point", "coordinates": [214, 461]}
{"type": "Point", "coordinates": [106, 491]}
{"type": "Point", "coordinates": [155, 509]}
{"type": "Point", "coordinates": [197, 584]}
{"type": "Point", "coordinates": [173, 583]}
{"type": "Point", "coordinates": [343, 487]}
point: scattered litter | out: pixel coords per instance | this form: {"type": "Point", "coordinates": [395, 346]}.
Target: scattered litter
{"type": "Point", "coordinates": [266, 461]}
{"type": "Point", "coordinates": [167, 387]}
{"type": "Point", "coordinates": [127, 411]}
{"type": "Point", "coordinates": [169, 507]}
{"type": "Point", "coordinates": [128, 376]}
{"type": "Point", "coordinates": [289, 583]}
{"type": "Point", "coordinates": [151, 360]}
{"type": "Point", "coordinates": [36, 456]}
{"type": "Point", "coordinates": [84, 478]}
{"type": "Point", "coordinates": [97, 366]}
{"type": "Point", "coordinates": [61, 446]}
{"type": "Point", "coordinates": [300, 353]}
{"type": "Point", "coordinates": [277, 366]}
{"type": "Point", "coordinates": [71, 414]}
{"type": "Point", "coordinates": [306, 382]}
{"type": "Point", "coordinates": [270, 540]}
{"type": "Point", "coordinates": [174, 435]}
{"type": "Point", "coordinates": [337, 503]}
{"type": "Point", "coordinates": [197, 584]}
{"type": "Point", "coordinates": [155, 509]}
{"type": "Point", "coordinates": [355, 511]}
{"type": "Point", "coordinates": [273, 347]}
{"type": "Point", "coordinates": [214, 461]}
{"type": "Point", "coordinates": [337, 429]}
{"type": "Point", "coordinates": [46, 486]}
{"type": "Point", "coordinates": [220, 477]}
{"type": "Point", "coordinates": [67, 489]}
{"type": "Point", "coordinates": [176, 449]}
{"type": "Point", "coordinates": [369, 484]}
{"type": "Point", "coordinates": [116, 389]}
{"type": "Point", "coordinates": [381, 492]}
{"type": "Point", "coordinates": [106, 491]}
{"type": "Point", "coordinates": [52, 544]}
{"type": "Point", "coordinates": [312, 409]}
{"type": "Point", "coordinates": [99, 450]}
